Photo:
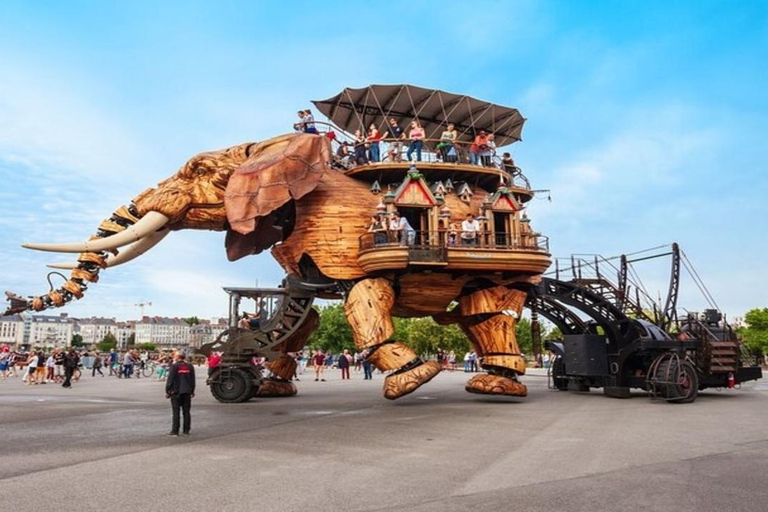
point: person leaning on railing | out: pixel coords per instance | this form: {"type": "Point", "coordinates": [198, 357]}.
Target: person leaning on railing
{"type": "Point", "coordinates": [395, 146]}
{"type": "Point", "coordinates": [378, 227]}
{"type": "Point", "coordinates": [487, 151]}
{"type": "Point", "coordinates": [360, 156]}
{"type": "Point", "coordinates": [403, 228]}
{"type": "Point", "coordinates": [445, 146]}
{"type": "Point", "coordinates": [373, 139]}
{"type": "Point", "coordinates": [416, 136]}
{"type": "Point", "coordinates": [477, 147]}
{"type": "Point", "coordinates": [469, 230]}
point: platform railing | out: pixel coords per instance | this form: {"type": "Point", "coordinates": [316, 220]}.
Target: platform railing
{"type": "Point", "coordinates": [441, 151]}
{"type": "Point", "coordinates": [442, 238]}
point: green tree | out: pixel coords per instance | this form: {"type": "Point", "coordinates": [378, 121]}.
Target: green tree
{"type": "Point", "coordinates": [131, 341]}
{"type": "Point", "coordinates": [333, 334]}
{"type": "Point", "coordinates": [77, 341]}
{"type": "Point", "coordinates": [149, 347]}
{"type": "Point", "coordinates": [192, 320]}
{"type": "Point", "coordinates": [755, 332]}
{"type": "Point", "coordinates": [107, 343]}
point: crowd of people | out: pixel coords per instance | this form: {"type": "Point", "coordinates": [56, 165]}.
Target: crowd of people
{"type": "Point", "coordinates": [66, 365]}
{"type": "Point", "coordinates": [366, 146]}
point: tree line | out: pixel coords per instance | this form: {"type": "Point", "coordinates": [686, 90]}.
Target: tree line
{"type": "Point", "coordinates": [423, 335]}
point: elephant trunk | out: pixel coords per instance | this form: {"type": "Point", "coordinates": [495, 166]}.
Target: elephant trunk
{"type": "Point", "coordinates": [125, 226]}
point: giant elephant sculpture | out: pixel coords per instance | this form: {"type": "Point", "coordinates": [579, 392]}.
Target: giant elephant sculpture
{"type": "Point", "coordinates": [284, 194]}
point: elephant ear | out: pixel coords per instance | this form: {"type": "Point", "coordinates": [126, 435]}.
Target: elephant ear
{"type": "Point", "coordinates": [278, 171]}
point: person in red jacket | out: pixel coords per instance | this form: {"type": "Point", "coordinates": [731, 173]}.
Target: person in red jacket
{"type": "Point", "coordinates": [214, 360]}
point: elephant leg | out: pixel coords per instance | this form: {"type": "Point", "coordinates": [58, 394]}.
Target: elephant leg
{"type": "Point", "coordinates": [368, 309]}
{"type": "Point", "coordinates": [283, 368]}
{"type": "Point", "coordinates": [489, 318]}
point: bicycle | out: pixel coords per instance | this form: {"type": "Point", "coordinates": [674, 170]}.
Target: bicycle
{"type": "Point", "coordinates": [149, 369]}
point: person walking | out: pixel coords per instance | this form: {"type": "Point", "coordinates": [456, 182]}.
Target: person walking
{"type": "Point", "coordinates": [128, 361]}
{"type": "Point", "coordinates": [112, 361]}
{"type": "Point", "coordinates": [344, 364]}
{"type": "Point", "coordinates": [96, 365]}
{"type": "Point", "coordinates": [71, 360]}
{"type": "Point", "coordinates": [180, 388]}
{"type": "Point", "coordinates": [319, 361]}
{"type": "Point", "coordinates": [31, 368]}
{"type": "Point", "coordinates": [367, 369]}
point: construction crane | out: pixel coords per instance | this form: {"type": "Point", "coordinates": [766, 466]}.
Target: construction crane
{"type": "Point", "coordinates": [141, 306]}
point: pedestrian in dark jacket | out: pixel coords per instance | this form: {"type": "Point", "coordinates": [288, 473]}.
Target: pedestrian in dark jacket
{"type": "Point", "coordinates": [180, 388]}
{"type": "Point", "coordinates": [71, 360]}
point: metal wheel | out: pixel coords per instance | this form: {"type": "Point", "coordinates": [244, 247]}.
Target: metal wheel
{"type": "Point", "coordinates": [676, 380]}
{"type": "Point", "coordinates": [231, 385]}
{"type": "Point", "coordinates": [559, 380]}
{"type": "Point", "coordinates": [148, 371]}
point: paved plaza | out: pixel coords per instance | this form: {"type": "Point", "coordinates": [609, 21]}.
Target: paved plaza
{"type": "Point", "coordinates": [339, 445]}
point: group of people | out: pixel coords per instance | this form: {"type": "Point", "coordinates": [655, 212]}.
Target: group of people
{"type": "Point", "coordinates": [398, 229]}
{"type": "Point", "coordinates": [66, 365]}
{"type": "Point", "coordinates": [40, 367]}
{"type": "Point", "coordinates": [366, 146]}
{"type": "Point", "coordinates": [321, 362]}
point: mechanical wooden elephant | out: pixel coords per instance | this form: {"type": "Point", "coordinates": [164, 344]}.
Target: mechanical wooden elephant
{"type": "Point", "coordinates": [284, 194]}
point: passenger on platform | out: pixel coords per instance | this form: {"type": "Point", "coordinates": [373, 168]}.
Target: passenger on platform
{"type": "Point", "coordinates": [299, 127]}
{"type": "Point", "coordinates": [344, 154]}
{"type": "Point", "coordinates": [477, 147]}
{"type": "Point", "coordinates": [360, 157]}
{"type": "Point", "coordinates": [395, 146]}
{"type": "Point", "coordinates": [487, 152]}
{"type": "Point", "coordinates": [416, 136]}
{"type": "Point", "coordinates": [379, 229]}
{"type": "Point", "coordinates": [406, 233]}
{"type": "Point", "coordinates": [374, 137]}
{"type": "Point", "coordinates": [469, 230]}
{"type": "Point", "coordinates": [309, 122]}
{"type": "Point", "coordinates": [507, 164]}
{"type": "Point", "coordinates": [453, 235]}
{"type": "Point", "coordinates": [445, 145]}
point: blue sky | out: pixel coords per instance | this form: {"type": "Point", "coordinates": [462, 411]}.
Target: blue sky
{"type": "Point", "coordinates": [646, 119]}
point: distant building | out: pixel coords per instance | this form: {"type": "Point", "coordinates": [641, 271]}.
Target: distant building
{"type": "Point", "coordinates": [124, 332]}
{"type": "Point", "coordinates": [12, 331]}
{"type": "Point", "coordinates": [93, 330]}
{"type": "Point", "coordinates": [49, 331]}
{"type": "Point", "coordinates": [163, 332]}
{"type": "Point", "coordinates": [206, 331]}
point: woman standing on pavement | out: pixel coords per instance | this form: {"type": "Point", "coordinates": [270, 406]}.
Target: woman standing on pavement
{"type": "Point", "coordinates": [344, 364]}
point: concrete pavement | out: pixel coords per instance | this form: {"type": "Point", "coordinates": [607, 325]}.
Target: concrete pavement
{"type": "Point", "coordinates": [340, 446]}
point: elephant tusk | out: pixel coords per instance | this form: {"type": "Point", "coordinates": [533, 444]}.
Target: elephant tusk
{"type": "Point", "coordinates": [129, 253]}
{"type": "Point", "coordinates": [149, 223]}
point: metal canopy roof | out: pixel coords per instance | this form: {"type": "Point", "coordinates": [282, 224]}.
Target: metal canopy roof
{"type": "Point", "coordinates": [354, 109]}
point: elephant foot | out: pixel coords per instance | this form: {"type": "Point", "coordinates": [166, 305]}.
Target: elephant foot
{"type": "Point", "coordinates": [486, 384]}
{"type": "Point", "coordinates": [275, 388]}
{"type": "Point", "coordinates": [401, 384]}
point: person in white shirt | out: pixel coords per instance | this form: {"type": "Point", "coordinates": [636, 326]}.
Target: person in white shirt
{"type": "Point", "coordinates": [469, 230]}
{"type": "Point", "coordinates": [406, 232]}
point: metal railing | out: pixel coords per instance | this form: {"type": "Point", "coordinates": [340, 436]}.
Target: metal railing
{"type": "Point", "coordinates": [433, 151]}
{"type": "Point", "coordinates": [447, 239]}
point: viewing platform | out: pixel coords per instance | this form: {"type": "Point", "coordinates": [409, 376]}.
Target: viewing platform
{"type": "Point", "coordinates": [492, 251]}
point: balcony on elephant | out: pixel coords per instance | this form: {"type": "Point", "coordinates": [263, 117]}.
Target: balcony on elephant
{"type": "Point", "coordinates": [487, 173]}
{"type": "Point", "coordinates": [443, 250]}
